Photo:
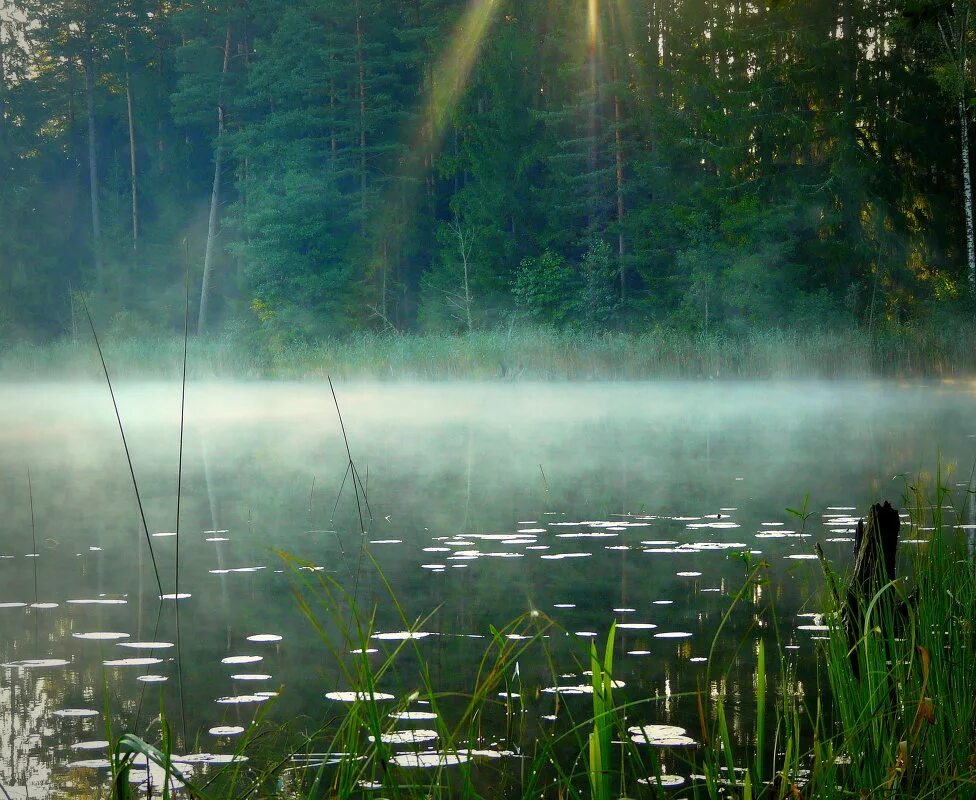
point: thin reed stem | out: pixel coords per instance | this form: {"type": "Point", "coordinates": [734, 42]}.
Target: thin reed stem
{"type": "Point", "coordinates": [36, 555]}
{"type": "Point", "coordinates": [145, 685]}
{"type": "Point", "coordinates": [356, 485]}
{"type": "Point", "coordinates": [179, 481]}
{"type": "Point", "coordinates": [125, 445]}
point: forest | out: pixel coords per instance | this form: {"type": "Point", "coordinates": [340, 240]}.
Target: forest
{"type": "Point", "coordinates": [320, 167]}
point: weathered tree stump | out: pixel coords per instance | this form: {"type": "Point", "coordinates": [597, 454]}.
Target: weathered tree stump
{"type": "Point", "coordinates": [875, 550]}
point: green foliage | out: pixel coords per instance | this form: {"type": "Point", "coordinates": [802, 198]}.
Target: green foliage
{"type": "Point", "coordinates": [902, 729]}
{"type": "Point", "coordinates": [599, 293]}
{"type": "Point", "coordinates": [892, 728]}
{"type": "Point", "coordinates": [902, 726]}
{"type": "Point", "coordinates": [546, 289]}
{"type": "Point", "coordinates": [734, 169]}
{"type": "Point", "coordinates": [600, 762]}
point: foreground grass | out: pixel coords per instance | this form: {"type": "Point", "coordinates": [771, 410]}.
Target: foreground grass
{"type": "Point", "coordinates": [902, 725]}
{"type": "Point", "coordinates": [529, 354]}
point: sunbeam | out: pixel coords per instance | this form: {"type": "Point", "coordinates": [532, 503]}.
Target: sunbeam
{"type": "Point", "coordinates": [592, 24]}
{"type": "Point", "coordinates": [451, 73]}
{"type": "Point", "coordinates": [449, 78]}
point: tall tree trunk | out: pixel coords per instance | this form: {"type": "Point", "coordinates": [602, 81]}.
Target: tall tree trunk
{"type": "Point", "coordinates": [427, 78]}
{"type": "Point", "coordinates": [161, 97]}
{"type": "Point", "coordinates": [214, 197]}
{"type": "Point", "coordinates": [89, 59]}
{"type": "Point", "coordinates": [244, 179]}
{"type": "Point", "coordinates": [361, 92]}
{"type": "Point", "coordinates": [667, 60]}
{"type": "Point", "coordinates": [852, 91]}
{"type": "Point", "coordinates": [954, 30]}
{"type": "Point", "coordinates": [467, 287]}
{"type": "Point", "coordinates": [654, 42]}
{"type": "Point", "coordinates": [967, 187]}
{"type": "Point", "coordinates": [593, 33]}
{"type": "Point", "coordinates": [385, 268]}
{"type": "Point", "coordinates": [619, 156]}
{"type": "Point", "coordinates": [333, 144]}
{"type": "Point", "coordinates": [457, 172]}
{"type": "Point", "coordinates": [3, 89]}
{"type": "Point", "coordinates": [133, 172]}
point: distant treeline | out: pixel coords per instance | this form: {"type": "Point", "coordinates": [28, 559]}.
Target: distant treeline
{"type": "Point", "coordinates": [327, 167]}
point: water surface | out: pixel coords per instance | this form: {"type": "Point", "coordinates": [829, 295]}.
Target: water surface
{"type": "Point", "coordinates": [588, 503]}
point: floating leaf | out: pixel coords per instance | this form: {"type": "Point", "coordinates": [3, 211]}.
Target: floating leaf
{"type": "Point", "coordinates": [428, 759]}
{"type": "Point", "coordinates": [352, 697]}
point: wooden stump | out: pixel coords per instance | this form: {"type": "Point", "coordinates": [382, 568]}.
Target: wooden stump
{"type": "Point", "coordinates": [875, 550]}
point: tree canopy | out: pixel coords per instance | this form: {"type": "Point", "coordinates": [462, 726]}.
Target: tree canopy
{"type": "Point", "coordinates": [448, 164]}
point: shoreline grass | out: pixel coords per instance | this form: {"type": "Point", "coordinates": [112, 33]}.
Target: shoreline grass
{"type": "Point", "coordinates": [519, 354]}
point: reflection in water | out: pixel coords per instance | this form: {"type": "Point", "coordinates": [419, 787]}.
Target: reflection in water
{"type": "Point", "coordinates": [583, 503]}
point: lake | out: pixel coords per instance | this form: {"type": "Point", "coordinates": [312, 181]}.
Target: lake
{"type": "Point", "coordinates": [588, 504]}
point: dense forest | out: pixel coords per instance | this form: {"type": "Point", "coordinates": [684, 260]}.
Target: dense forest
{"type": "Point", "coordinates": [323, 166]}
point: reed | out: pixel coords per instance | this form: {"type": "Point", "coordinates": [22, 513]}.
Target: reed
{"type": "Point", "coordinates": [906, 718]}
{"type": "Point", "coordinates": [903, 722]}
{"type": "Point", "coordinates": [521, 354]}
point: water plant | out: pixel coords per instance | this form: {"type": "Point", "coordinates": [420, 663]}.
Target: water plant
{"type": "Point", "coordinates": [900, 724]}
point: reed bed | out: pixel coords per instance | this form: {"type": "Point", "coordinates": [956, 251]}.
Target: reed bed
{"type": "Point", "coordinates": [520, 354]}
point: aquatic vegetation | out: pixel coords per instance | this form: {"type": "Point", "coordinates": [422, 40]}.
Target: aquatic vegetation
{"type": "Point", "coordinates": [897, 728]}
{"type": "Point", "coordinates": [901, 725]}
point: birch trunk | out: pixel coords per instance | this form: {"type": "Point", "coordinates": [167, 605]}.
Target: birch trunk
{"type": "Point", "coordinates": [333, 144]}
{"type": "Point", "coordinates": [954, 30]}
{"type": "Point", "coordinates": [205, 289]}
{"type": "Point", "coordinates": [385, 268]}
{"type": "Point", "coordinates": [463, 301]}
{"type": "Point", "coordinates": [159, 25]}
{"type": "Point", "coordinates": [89, 63]}
{"type": "Point", "coordinates": [592, 126]}
{"type": "Point", "coordinates": [3, 89]}
{"type": "Point", "coordinates": [967, 186]}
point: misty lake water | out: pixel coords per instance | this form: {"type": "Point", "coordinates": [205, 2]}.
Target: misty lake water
{"type": "Point", "coordinates": [589, 503]}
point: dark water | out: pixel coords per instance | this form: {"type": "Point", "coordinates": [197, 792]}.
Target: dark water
{"type": "Point", "coordinates": [586, 503]}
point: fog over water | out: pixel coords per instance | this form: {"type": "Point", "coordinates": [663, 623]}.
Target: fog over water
{"type": "Point", "coordinates": [587, 502]}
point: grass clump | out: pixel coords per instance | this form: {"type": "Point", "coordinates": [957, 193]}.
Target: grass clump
{"type": "Point", "coordinates": [482, 743]}
{"type": "Point", "coordinates": [891, 710]}
{"type": "Point", "coordinates": [906, 703]}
